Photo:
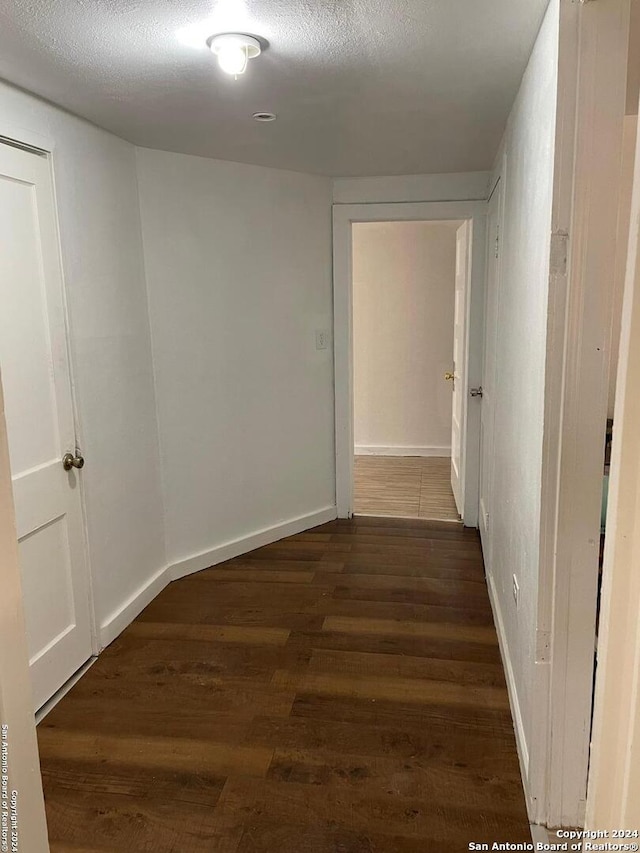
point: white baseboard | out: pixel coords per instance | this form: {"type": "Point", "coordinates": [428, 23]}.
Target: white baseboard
{"type": "Point", "coordinates": [541, 835]}
{"type": "Point", "coordinates": [50, 704]}
{"type": "Point", "coordinates": [134, 605]}
{"type": "Point", "coordinates": [236, 547]}
{"type": "Point", "coordinates": [521, 739]}
{"type": "Point", "coordinates": [368, 450]}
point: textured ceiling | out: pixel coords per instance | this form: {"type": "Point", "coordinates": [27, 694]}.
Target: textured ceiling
{"type": "Point", "coordinates": [361, 87]}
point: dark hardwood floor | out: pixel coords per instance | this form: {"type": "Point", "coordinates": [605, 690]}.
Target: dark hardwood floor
{"type": "Point", "coordinates": [340, 691]}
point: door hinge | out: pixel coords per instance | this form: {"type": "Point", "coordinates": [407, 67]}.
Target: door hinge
{"type": "Point", "coordinates": [559, 253]}
{"type": "Point", "coordinates": [543, 646]}
{"type": "Point", "coordinates": [497, 241]}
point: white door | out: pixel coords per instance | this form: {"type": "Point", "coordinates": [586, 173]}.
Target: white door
{"type": "Point", "coordinates": [40, 425]}
{"type": "Point", "coordinates": [463, 244]}
{"type": "Point", "coordinates": [487, 421]}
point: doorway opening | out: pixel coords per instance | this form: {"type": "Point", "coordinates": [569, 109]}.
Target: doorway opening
{"type": "Point", "coordinates": [408, 300]}
{"type": "Point", "coordinates": [404, 337]}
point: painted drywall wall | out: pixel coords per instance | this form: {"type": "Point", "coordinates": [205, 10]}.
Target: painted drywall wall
{"type": "Point", "coordinates": [403, 305]}
{"type": "Point", "coordinates": [514, 514]}
{"type": "Point", "coordinates": [96, 190]}
{"type": "Point", "coordinates": [239, 280]}
{"type": "Point", "coordinates": [457, 186]}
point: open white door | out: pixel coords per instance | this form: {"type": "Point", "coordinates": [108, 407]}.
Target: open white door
{"type": "Point", "coordinates": [487, 419]}
{"type": "Point", "coordinates": [458, 378]}
{"type": "Point", "coordinates": [40, 425]}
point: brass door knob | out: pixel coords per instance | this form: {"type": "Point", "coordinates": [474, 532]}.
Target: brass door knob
{"type": "Point", "coordinates": [449, 376]}
{"type": "Point", "coordinates": [69, 461]}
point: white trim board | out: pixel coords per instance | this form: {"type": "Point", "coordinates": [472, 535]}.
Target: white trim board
{"type": "Point", "coordinates": [136, 603]}
{"type": "Point", "coordinates": [541, 835]}
{"type": "Point", "coordinates": [51, 703]}
{"type": "Point", "coordinates": [121, 618]}
{"type": "Point", "coordinates": [592, 73]}
{"type": "Point", "coordinates": [344, 215]}
{"type": "Point", "coordinates": [613, 793]}
{"type": "Point", "coordinates": [16, 699]}
{"type": "Point", "coordinates": [516, 714]}
{"type": "Point", "coordinates": [244, 544]}
{"type": "Point", "coordinates": [375, 450]}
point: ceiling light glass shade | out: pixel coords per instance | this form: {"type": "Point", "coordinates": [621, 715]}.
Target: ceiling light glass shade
{"type": "Point", "coordinates": [233, 51]}
{"type": "Point", "coordinates": [232, 59]}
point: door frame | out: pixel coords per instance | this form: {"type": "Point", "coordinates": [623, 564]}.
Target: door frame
{"type": "Point", "coordinates": [459, 401]}
{"type": "Point", "coordinates": [614, 778]}
{"type": "Point", "coordinates": [16, 703]}
{"type": "Point", "coordinates": [593, 42]}
{"type": "Point", "coordinates": [344, 217]}
{"type": "Point", "coordinates": [496, 196]}
{"type": "Point", "coordinates": [40, 145]}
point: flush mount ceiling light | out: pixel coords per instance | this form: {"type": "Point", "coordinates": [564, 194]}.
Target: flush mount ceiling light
{"type": "Point", "coordinates": [234, 50]}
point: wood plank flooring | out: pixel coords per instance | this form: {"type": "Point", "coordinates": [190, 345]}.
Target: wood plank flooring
{"type": "Point", "coordinates": [404, 487]}
{"type": "Point", "coordinates": [340, 691]}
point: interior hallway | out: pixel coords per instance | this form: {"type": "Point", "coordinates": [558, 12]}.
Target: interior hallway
{"type": "Point", "coordinates": [340, 690]}
{"type": "Point", "coordinates": [405, 487]}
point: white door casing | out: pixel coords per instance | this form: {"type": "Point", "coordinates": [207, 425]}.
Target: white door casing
{"type": "Point", "coordinates": [613, 796]}
{"type": "Point", "coordinates": [487, 420]}
{"type": "Point", "coordinates": [16, 699]}
{"type": "Point", "coordinates": [40, 424]}
{"type": "Point", "coordinates": [463, 246]}
{"type": "Point", "coordinates": [344, 215]}
{"type": "Point", "coordinates": [594, 39]}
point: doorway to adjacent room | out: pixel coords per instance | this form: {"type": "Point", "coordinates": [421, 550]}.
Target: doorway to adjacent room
{"type": "Point", "coordinates": [407, 419]}
{"type": "Point", "coordinates": [404, 336]}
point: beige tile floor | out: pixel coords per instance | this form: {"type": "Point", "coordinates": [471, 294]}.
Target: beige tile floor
{"type": "Point", "coordinates": [404, 486]}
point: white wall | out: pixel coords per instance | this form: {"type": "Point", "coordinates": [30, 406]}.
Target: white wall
{"type": "Point", "coordinates": [403, 303]}
{"type": "Point", "coordinates": [459, 186]}
{"type": "Point", "coordinates": [95, 182]}
{"type": "Point", "coordinates": [515, 518]}
{"type": "Point", "coordinates": [239, 279]}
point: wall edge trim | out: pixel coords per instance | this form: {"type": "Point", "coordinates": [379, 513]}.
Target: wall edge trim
{"type": "Point", "coordinates": [514, 702]}
{"type": "Point", "coordinates": [399, 450]}
{"type": "Point", "coordinates": [132, 607]}
{"type": "Point", "coordinates": [113, 626]}
{"type": "Point", "coordinates": [237, 547]}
